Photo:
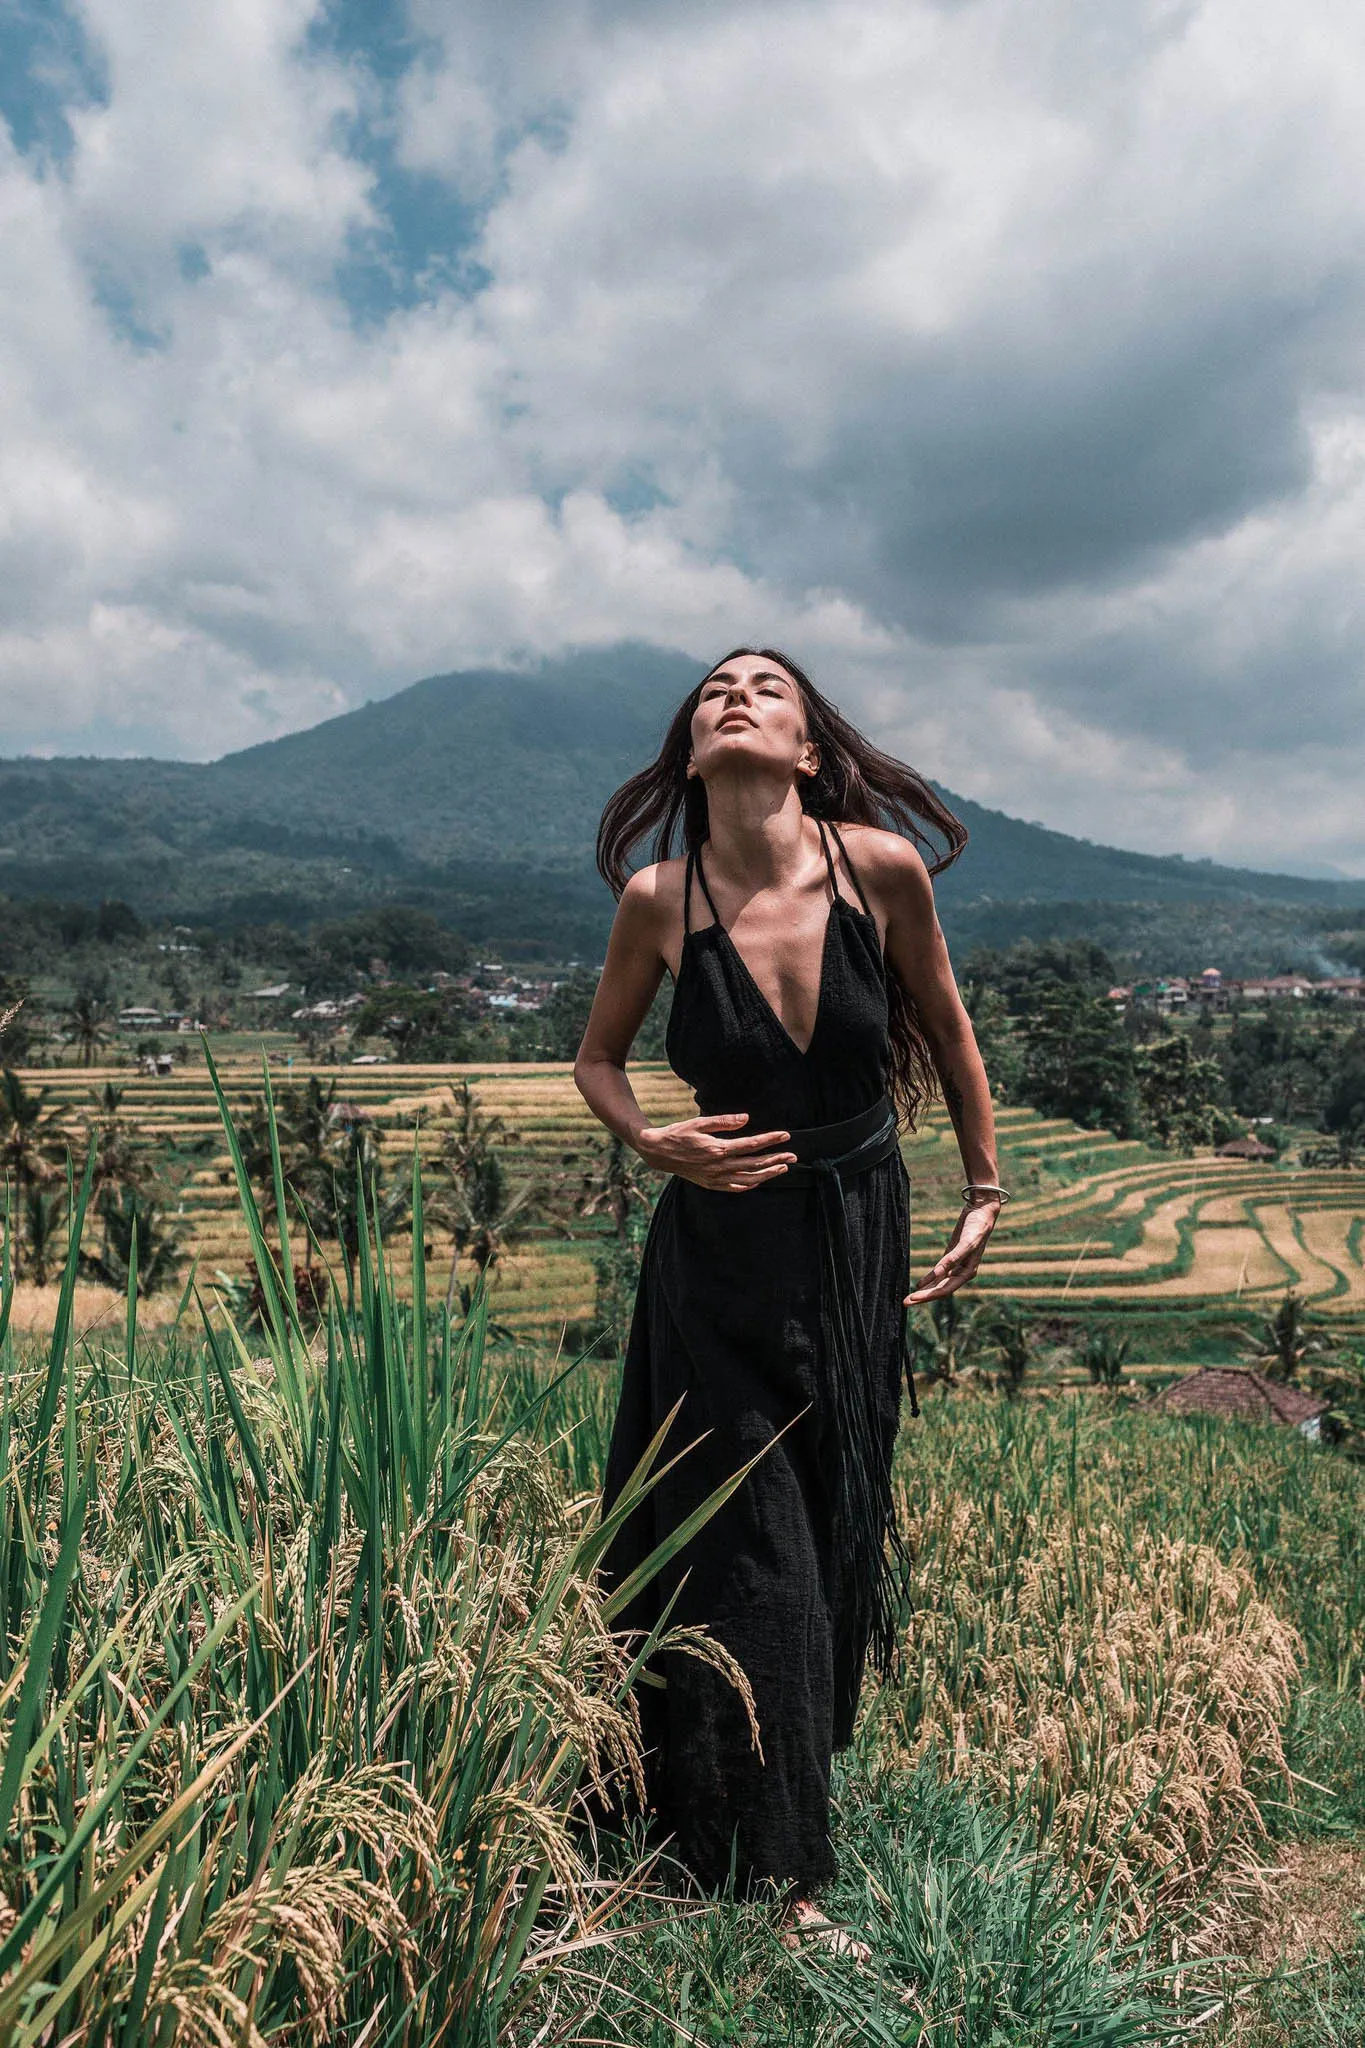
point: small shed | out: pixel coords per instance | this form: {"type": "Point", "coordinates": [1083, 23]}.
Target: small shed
{"type": "Point", "coordinates": [1246, 1148]}
{"type": "Point", "coordinates": [1251, 1396]}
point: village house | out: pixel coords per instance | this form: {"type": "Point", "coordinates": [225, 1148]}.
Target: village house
{"type": "Point", "coordinates": [1240, 1391]}
{"type": "Point", "coordinates": [1212, 991]}
{"type": "Point", "coordinates": [1249, 1147]}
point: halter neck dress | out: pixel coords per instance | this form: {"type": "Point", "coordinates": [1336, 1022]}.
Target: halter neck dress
{"type": "Point", "coordinates": [734, 1313]}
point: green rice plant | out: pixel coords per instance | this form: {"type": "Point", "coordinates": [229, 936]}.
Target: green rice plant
{"type": "Point", "coordinates": [302, 1667]}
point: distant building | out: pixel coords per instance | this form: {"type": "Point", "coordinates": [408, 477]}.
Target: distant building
{"type": "Point", "coordinates": [271, 993]}
{"type": "Point", "coordinates": [1210, 991]}
{"type": "Point", "coordinates": [1276, 988]}
{"type": "Point", "coordinates": [137, 1017]}
{"type": "Point", "coordinates": [1242, 1392]}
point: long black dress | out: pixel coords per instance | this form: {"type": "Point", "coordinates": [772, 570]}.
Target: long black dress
{"type": "Point", "coordinates": [733, 1312]}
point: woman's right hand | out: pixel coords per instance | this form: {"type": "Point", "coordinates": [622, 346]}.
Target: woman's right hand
{"type": "Point", "coordinates": [701, 1149]}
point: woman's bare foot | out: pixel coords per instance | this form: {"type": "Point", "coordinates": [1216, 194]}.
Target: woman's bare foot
{"type": "Point", "coordinates": [804, 1921]}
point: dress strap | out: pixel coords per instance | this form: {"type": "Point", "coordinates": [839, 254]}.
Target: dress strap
{"type": "Point", "coordinates": [701, 877]}
{"type": "Point", "coordinates": [853, 872]}
{"type": "Point", "coordinates": [829, 863]}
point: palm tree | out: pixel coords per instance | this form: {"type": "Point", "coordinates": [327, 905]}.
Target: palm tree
{"type": "Point", "coordinates": [119, 1161]}
{"type": "Point", "coordinates": [33, 1142]}
{"type": "Point", "coordinates": [42, 1216]}
{"type": "Point", "coordinates": [611, 1186]}
{"type": "Point", "coordinates": [479, 1206]}
{"type": "Point", "coordinates": [1286, 1339]}
{"type": "Point", "coordinates": [87, 1022]}
{"type": "Point", "coordinates": [354, 1168]}
{"type": "Point", "coordinates": [955, 1337]}
{"type": "Point", "coordinates": [160, 1252]}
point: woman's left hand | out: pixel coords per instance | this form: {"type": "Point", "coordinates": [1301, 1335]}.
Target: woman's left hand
{"type": "Point", "coordinates": [966, 1248]}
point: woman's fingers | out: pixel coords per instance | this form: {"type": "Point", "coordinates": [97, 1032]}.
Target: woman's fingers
{"type": "Point", "coordinates": [951, 1271]}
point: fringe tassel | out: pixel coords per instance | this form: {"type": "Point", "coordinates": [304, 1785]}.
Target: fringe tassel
{"type": "Point", "coordinates": [864, 1506]}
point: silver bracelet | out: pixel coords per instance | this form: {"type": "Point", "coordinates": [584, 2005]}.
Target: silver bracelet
{"type": "Point", "coordinates": [983, 1187]}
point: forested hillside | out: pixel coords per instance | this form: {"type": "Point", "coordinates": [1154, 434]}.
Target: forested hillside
{"type": "Point", "coordinates": [476, 795]}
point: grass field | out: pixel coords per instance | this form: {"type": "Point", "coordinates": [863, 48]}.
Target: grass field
{"type": "Point", "coordinates": [1097, 1225]}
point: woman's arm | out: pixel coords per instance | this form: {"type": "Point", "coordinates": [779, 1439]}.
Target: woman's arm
{"type": "Point", "coordinates": [704, 1149]}
{"type": "Point", "coordinates": [915, 949]}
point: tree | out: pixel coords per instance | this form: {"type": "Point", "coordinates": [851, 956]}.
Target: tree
{"type": "Point", "coordinates": [999, 1043]}
{"type": "Point", "coordinates": [88, 1024]}
{"type": "Point", "coordinates": [1286, 1339]}
{"type": "Point", "coordinates": [562, 1018]}
{"type": "Point", "coordinates": [123, 1213]}
{"type": "Point", "coordinates": [119, 1161]}
{"type": "Point", "coordinates": [957, 1333]}
{"type": "Point", "coordinates": [1018, 972]}
{"type": "Point", "coordinates": [42, 1216]}
{"type": "Point", "coordinates": [330, 1160]}
{"type": "Point", "coordinates": [1077, 1061]}
{"type": "Point", "coordinates": [116, 920]}
{"type": "Point", "coordinates": [1343, 1112]}
{"type": "Point", "coordinates": [1008, 1328]}
{"type": "Point", "coordinates": [611, 1186]}
{"type": "Point", "coordinates": [476, 1199]}
{"type": "Point", "coordinates": [1180, 1094]}
{"type": "Point", "coordinates": [1102, 1354]}
{"type": "Point", "coordinates": [420, 1024]}
{"type": "Point", "coordinates": [33, 1143]}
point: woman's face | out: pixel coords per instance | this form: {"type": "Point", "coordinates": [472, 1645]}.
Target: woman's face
{"type": "Point", "coordinates": [750, 715]}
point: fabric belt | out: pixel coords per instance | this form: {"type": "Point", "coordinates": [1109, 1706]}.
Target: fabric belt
{"type": "Point", "coordinates": [826, 1156]}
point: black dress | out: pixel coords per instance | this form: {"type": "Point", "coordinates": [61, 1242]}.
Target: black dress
{"type": "Point", "coordinates": [734, 1313]}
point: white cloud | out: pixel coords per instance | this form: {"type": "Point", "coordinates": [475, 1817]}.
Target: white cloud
{"type": "Point", "coordinates": [1002, 362]}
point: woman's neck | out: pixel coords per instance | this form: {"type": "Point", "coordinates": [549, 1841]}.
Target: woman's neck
{"type": "Point", "coordinates": [755, 833]}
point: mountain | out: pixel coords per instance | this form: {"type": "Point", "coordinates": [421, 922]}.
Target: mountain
{"type": "Point", "coordinates": [478, 793]}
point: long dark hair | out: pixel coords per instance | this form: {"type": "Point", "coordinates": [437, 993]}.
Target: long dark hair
{"type": "Point", "coordinates": [856, 784]}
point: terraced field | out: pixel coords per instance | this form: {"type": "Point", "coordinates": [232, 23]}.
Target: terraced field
{"type": "Point", "coordinates": [1095, 1222]}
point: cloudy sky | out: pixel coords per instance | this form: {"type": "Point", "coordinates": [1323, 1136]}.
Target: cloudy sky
{"type": "Point", "coordinates": [1005, 359]}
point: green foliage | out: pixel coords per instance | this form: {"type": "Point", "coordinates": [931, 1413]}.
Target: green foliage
{"type": "Point", "coordinates": [126, 1213]}
{"type": "Point", "coordinates": [420, 1024]}
{"type": "Point", "coordinates": [1287, 1337]}
{"type": "Point", "coordinates": [1180, 1094]}
{"type": "Point", "coordinates": [89, 1024]}
{"type": "Point", "coordinates": [1009, 1329]}
{"type": "Point", "coordinates": [1077, 1061]}
{"type": "Point", "coordinates": [977, 1941]}
{"type": "Point", "coordinates": [616, 1275]}
{"type": "Point", "coordinates": [405, 940]}
{"type": "Point", "coordinates": [1019, 971]}
{"type": "Point", "coordinates": [1102, 1353]}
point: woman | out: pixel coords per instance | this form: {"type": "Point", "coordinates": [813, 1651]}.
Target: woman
{"type": "Point", "coordinates": [813, 1009]}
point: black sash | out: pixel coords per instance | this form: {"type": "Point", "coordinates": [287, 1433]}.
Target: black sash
{"type": "Point", "coordinates": [827, 1155]}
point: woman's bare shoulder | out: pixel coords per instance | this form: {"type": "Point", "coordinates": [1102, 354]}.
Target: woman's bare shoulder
{"type": "Point", "coordinates": [883, 856]}
{"type": "Point", "coordinates": [655, 893]}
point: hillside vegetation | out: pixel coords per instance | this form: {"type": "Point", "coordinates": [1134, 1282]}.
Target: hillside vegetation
{"type": "Point", "coordinates": [477, 795]}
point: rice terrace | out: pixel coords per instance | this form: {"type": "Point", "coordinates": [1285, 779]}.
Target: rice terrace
{"type": "Point", "coordinates": [1099, 1221]}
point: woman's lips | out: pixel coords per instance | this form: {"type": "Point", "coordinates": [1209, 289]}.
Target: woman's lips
{"type": "Point", "coordinates": [734, 718]}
